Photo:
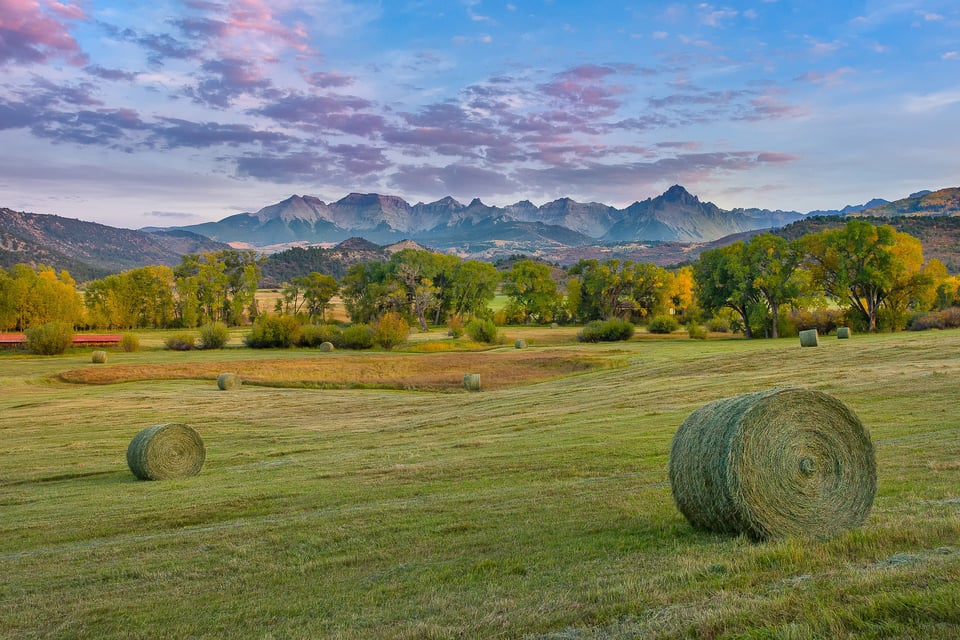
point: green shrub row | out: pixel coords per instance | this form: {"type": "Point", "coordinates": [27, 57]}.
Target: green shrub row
{"type": "Point", "coordinates": [611, 330]}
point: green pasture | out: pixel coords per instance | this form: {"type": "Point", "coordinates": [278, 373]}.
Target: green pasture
{"type": "Point", "coordinates": [541, 511]}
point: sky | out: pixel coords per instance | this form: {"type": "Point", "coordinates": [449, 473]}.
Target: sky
{"type": "Point", "coordinates": [172, 113]}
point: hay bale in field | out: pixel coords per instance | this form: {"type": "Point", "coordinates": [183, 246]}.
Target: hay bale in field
{"type": "Point", "coordinates": [809, 338]}
{"type": "Point", "coordinates": [843, 333]}
{"type": "Point", "coordinates": [326, 347]}
{"type": "Point", "coordinates": [781, 462]}
{"type": "Point", "coordinates": [471, 381]}
{"type": "Point", "coordinates": [166, 451]}
{"type": "Point", "coordinates": [98, 357]}
{"type": "Point", "coordinates": [229, 382]}
{"type": "Point", "coordinates": [520, 344]}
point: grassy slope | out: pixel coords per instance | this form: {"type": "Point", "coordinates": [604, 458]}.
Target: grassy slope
{"type": "Point", "coordinates": [540, 511]}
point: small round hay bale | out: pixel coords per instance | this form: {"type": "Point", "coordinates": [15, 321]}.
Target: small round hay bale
{"type": "Point", "coordinates": [326, 347]}
{"type": "Point", "coordinates": [809, 338]}
{"type": "Point", "coordinates": [554, 325]}
{"type": "Point", "coordinates": [166, 451]}
{"type": "Point", "coordinates": [785, 461]}
{"type": "Point", "coordinates": [520, 344]}
{"type": "Point", "coordinates": [471, 381]}
{"type": "Point", "coordinates": [229, 382]}
{"type": "Point", "coordinates": [98, 357]}
{"type": "Point", "coordinates": [843, 333]}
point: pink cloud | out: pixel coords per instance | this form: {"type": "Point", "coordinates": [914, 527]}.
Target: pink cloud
{"type": "Point", "coordinates": [29, 34]}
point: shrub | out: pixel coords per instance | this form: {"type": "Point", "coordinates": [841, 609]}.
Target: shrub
{"type": "Point", "coordinates": [314, 335]}
{"type": "Point", "coordinates": [391, 329]}
{"type": "Point", "coordinates": [483, 330]}
{"type": "Point", "coordinates": [718, 325]}
{"type": "Point", "coordinates": [213, 335]}
{"type": "Point", "coordinates": [358, 336]}
{"type": "Point", "coordinates": [50, 339]}
{"type": "Point", "coordinates": [455, 327]}
{"type": "Point", "coordinates": [663, 324]}
{"type": "Point", "coordinates": [946, 319]}
{"type": "Point", "coordinates": [824, 321]}
{"type": "Point", "coordinates": [271, 331]}
{"type": "Point", "coordinates": [606, 331]}
{"type": "Point", "coordinates": [129, 342]}
{"type": "Point", "coordinates": [696, 331]}
{"type": "Point", "coordinates": [181, 342]}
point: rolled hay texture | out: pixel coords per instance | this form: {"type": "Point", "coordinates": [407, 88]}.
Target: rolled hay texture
{"type": "Point", "coordinates": [809, 338]}
{"type": "Point", "coordinates": [843, 333]}
{"type": "Point", "coordinates": [166, 451]}
{"type": "Point", "coordinates": [471, 381]}
{"type": "Point", "coordinates": [326, 347]}
{"type": "Point", "coordinates": [229, 382]}
{"type": "Point", "coordinates": [99, 357]}
{"type": "Point", "coordinates": [520, 344]}
{"type": "Point", "coordinates": [785, 461]}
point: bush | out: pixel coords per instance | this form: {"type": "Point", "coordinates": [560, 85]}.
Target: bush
{"type": "Point", "coordinates": [718, 325]}
{"type": "Point", "coordinates": [663, 324]}
{"type": "Point", "coordinates": [611, 330]}
{"type": "Point", "coordinates": [181, 342]}
{"type": "Point", "coordinates": [483, 330]}
{"type": "Point", "coordinates": [313, 335]}
{"type": "Point", "coordinates": [455, 327]}
{"type": "Point", "coordinates": [824, 321]}
{"type": "Point", "coordinates": [273, 332]}
{"type": "Point", "coordinates": [129, 342]}
{"type": "Point", "coordinates": [391, 329]}
{"type": "Point", "coordinates": [50, 339]}
{"type": "Point", "coordinates": [946, 319]}
{"type": "Point", "coordinates": [696, 331]}
{"type": "Point", "coordinates": [358, 336]}
{"type": "Point", "coordinates": [213, 335]}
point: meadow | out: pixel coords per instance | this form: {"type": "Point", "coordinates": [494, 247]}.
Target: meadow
{"type": "Point", "coordinates": [538, 508]}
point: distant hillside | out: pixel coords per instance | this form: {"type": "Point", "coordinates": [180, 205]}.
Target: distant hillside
{"type": "Point", "coordinates": [89, 250]}
{"type": "Point", "coordinates": [945, 202]}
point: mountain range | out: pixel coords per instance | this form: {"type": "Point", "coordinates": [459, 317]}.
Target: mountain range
{"type": "Point", "coordinates": [671, 228]}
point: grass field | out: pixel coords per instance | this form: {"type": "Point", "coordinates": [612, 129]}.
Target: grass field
{"type": "Point", "coordinates": [538, 508]}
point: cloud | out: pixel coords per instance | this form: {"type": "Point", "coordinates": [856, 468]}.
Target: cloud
{"type": "Point", "coordinates": [932, 101]}
{"type": "Point", "coordinates": [457, 179]}
{"type": "Point", "coordinates": [951, 55]}
{"type": "Point", "coordinates": [834, 78]}
{"type": "Point", "coordinates": [172, 133]}
{"type": "Point", "coordinates": [30, 35]}
{"type": "Point", "coordinates": [300, 166]}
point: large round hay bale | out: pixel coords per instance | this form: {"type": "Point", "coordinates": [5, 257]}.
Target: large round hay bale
{"type": "Point", "coordinates": [229, 382]}
{"type": "Point", "coordinates": [843, 333]}
{"type": "Point", "coordinates": [166, 451]}
{"type": "Point", "coordinates": [98, 357]}
{"type": "Point", "coordinates": [471, 381]}
{"type": "Point", "coordinates": [326, 347]}
{"type": "Point", "coordinates": [809, 338]}
{"type": "Point", "coordinates": [520, 344]}
{"type": "Point", "coordinates": [781, 462]}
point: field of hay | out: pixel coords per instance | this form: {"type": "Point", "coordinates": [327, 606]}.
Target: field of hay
{"type": "Point", "coordinates": [338, 499]}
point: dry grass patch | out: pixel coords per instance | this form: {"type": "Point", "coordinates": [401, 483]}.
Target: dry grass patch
{"type": "Point", "coordinates": [434, 372]}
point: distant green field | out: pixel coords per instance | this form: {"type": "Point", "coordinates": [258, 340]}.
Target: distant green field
{"type": "Point", "coordinates": [539, 510]}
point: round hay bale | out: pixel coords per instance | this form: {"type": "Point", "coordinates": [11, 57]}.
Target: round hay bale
{"type": "Point", "coordinates": [229, 382]}
{"type": "Point", "coordinates": [471, 381]}
{"type": "Point", "coordinates": [166, 451]}
{"type": "Point", "coordinates": [809, 338]}
{"type": "Point", "coordinates": [785, 461]}
{"type": "Point", "coordinates": [326, 347]}
{"type": "Point", "coordinates": [843, 333]}
{"type": "Point", "coordinates": [98, 357]}
{"type": "Point", "coordinates": [520, 344]}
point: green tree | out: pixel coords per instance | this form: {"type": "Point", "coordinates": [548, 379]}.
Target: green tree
{"type": "Point", "coordinates": [533, 292]}
{"type": "Point", "coordinates": [723, 279]}
{"type": "Point", "coordinates": [473, 287]}
{"type": "Point", "coordinates": [773, 264]}
{"type": "Point", "coordinates": [318, 290]}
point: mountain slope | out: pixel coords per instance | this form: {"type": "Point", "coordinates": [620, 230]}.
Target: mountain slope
{"type": "Point", "coordinates": [945, 202]}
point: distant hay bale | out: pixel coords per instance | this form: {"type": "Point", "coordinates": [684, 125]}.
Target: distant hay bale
{"type": "Point", "coordinates": [520, 344]}
{"type": "Point", "coordinates": [785, 461]}
{"type": "Point", "coordinates": [229, 382]}
{"type": "Point", "coordinates": [471, 381]}
{"type": "Point", "coordinates": [99, 357]}
{"type": "Point", "coordinates": [809, 338]}
{"type": "Point", "coordinates": [326, 347]}
{"type": "Point", "coordinates": [843, 333]}
{"type": "Point", "coordinates": [166, 451]}
{"type": "Point", "coordinates": [554, 325]}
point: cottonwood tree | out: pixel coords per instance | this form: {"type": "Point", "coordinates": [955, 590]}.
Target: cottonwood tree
{"type": "Point", "coordinates": [723, 279]}
{"type": "Point", "coordinates": [33, 296]}
{"type": "Point", "coordinates": [533, 292]}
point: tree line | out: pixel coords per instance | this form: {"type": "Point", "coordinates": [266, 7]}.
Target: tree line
{"type": "Point", "coordinates": [875, 273]}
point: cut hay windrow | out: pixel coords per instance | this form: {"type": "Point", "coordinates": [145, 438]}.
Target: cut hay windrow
{"type": "Point", "coordinates": [809, 338]}
{"type": "Point", "coordinates": [98, 357]}
{"type": "Point", "coordinates": [166, 451]}
{"type": "Point", "coordinates": [229, 382]}
{"type": "Point", "coordinates": [785, 461]}
{"type": "Point", "coordinates": [843, 333]}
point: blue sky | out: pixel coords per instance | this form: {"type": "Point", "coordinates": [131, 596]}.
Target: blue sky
{"type": "Point", "coordinates": [176, 112]}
